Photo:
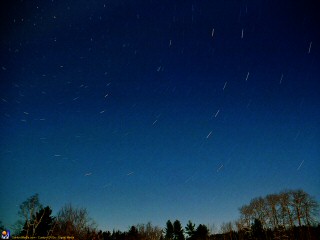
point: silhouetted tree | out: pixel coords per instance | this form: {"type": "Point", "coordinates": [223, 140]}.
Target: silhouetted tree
{"type": "Point", "coordinates": [41, 224]}
{"type": "Point", "coordinates": [280, 211]}
{"type": "Point", "coordinates": [118, 235]}
{"type": "Point", "coordinates": [169, 231]}
{"type": "Point", "coordinates": [202, 232]}
{"type": "Point", "coordinates": [149, 232]}
{"type": "Point", "coordinates": [259, 210]}
{"type": "Point", "coordinates": [190, 230]}
{"type": "Point", "coordinates": [27, 211]}
{"type": "Point", "coordinates": [177, 231]}
{"type": "Point", "coordinates": [257, 230]}
{"type": "Point", "coordinates": [227, 229]}
{"type": "Point", "coordinates": [74, 222]}
{"type": "Point", "coordinates": [133, 234]}
{"type": "Point", "coordinates": [285, 211]}
{"type": "Point", "coordinates": [273, 203]}
{"type": "Point", "coordinates": [246, 213]}
{"type": "Point", "coordinates": [305, 207]}
{"type": "Point", "coordinates": [106, 235]}
{"type": "Point", "coordinates": [298, 197]}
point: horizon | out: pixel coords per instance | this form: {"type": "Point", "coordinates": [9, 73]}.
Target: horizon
{"type": "Point", "coordinates": [212, 227]}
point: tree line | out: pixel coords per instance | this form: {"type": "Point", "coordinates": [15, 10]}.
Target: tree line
{"type": "Point", "coordinates": [286, 209]}
{"type": "Point", "coordinates": [288, 215]}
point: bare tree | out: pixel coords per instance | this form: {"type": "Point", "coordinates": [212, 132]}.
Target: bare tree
{"type": "Point", "coordinates": [272, 202]}
{"type": "Point", "coordinates": [259, 210]}
{"type": "Point", "coordinates": [286, 214]}
{"type": "Point", "coordinates": [280, 211]}
{"type": "Point", "coordinates": [149, 232]}
{"type": "Point", "coordinates": [308, 207]}
{"type": "Point", "coordinates": [74, 222]}
{"type": "Point", "coordinates": [298, 197]}
{"type": "Point", "coordinates": [226, 227]}
{"type": "Point", "coordinates": [27, 211]}
{"type": "Point", "coordinates": [212, 228]}
{"type": "Point", "coordinates": [246, 215]}
{"type": "Point", "coordinates": [243, 231]}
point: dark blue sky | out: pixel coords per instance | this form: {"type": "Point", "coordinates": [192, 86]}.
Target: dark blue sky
{"type": "Point", "coordinates": [154, 110]}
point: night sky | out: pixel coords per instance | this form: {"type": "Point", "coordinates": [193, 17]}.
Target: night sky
{"type": "Point", "coordinates": [154, 110]}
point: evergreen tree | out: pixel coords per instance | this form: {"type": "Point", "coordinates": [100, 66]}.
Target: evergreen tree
{"type": "Point", "coordinates": [133, 234]}
{"type": "Point", "coordinates": [177, 231]}
{"type": "Point", "coordinates": [257, 230]}
{"type": "Point", "coordinates": [46, 222]}
{"type": "Point", "coordinates": [202, 232]}
{"type": "Point", "coordinates": [106, 235]}
{"type": "Point", "coordinates": [169, 231]}
{"type": "Point", "coordinates": [190, 230]}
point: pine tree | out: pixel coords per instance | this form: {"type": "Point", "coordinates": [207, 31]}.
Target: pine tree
{"type": "Point", "coordinates": [169, 231]}
{"type": "Point", "coordinates": [257, 230]}
{"type": "Point", "coordinates": [202, 232]}
{"type": "Point", "coordinates": [177, 231]}
{"type": "Point", "coordinates": [190, 230]}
